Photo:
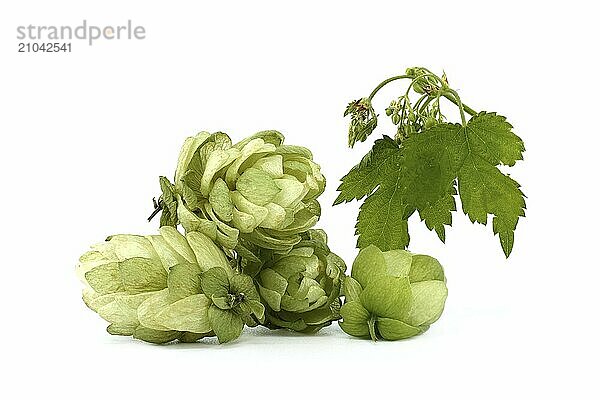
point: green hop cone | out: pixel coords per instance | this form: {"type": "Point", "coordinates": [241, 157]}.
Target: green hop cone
{"type": "Point", "coordinates": [151, 287]}
{"type": "Point", "coordinates": [301, 289]}
{"type": "Point", "coordinates": [392, 295]}
{"type": "Point", "coordinates": [258, 191]}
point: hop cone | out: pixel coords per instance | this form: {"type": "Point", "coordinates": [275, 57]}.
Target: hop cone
{"type": "Point", "coordinates": [301, 289]}
{"type": "Point", "coordinates": [165, 287]}
{"type": "Point", "coordinates": [256, 193]}
{"type": "Point", "coordinates": [392, 295]}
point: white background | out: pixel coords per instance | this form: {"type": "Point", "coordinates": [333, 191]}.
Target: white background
{"type": "Point", "coordinates": [85, 135]}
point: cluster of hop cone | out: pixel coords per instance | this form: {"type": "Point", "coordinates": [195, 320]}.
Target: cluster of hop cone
{"type": "Point", "coordinates": [248, 255]}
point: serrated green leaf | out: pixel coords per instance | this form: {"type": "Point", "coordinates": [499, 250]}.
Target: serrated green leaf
{"type": "Point", "coordinates": [383, 219]}
{"type": "Point", "coordinates": [469, 154]}
{"type": "Point", "coordinates": [490, 136]}
{"type": "Point", "coordinates": [364, 177]}
{"type": "Point", "coordinates": [438, 215]}
{"type": "Point", "coordinates": [485, 190]}
{"type": "Point", "coordinates": [429, 163]}
{"type": "Point", "coordinates": [422, 176]}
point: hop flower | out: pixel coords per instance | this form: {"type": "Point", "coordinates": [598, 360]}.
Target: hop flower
{"type": "Point", "coordinates": [258, 191]}
{"type": "Point", "coordinates": [165, 287]}
{"type": "Point", "coordinates": [392, 295]}
{"type": "Point", "coordinates": [363, 120]}
{"type": "Point", "coordinates": [301, 289]}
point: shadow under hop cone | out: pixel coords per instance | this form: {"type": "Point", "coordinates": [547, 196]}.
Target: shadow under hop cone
{"type": "Point", "coordinates": [255, 194]}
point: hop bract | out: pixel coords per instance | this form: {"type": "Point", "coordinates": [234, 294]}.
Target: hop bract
{"type": "Point", "coordinates": [392, 295]}
{"type": "Point", "coordinates": [165, 287]}
{"type": "Point", "coordinates": [258, 191]}
{"type": "Point", "coordinates": [301, 289]}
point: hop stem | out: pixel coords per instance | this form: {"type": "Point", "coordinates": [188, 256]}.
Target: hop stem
{"type": "Point", "coordinates": [157, 207]}
{"type": "Point", "coordinates": [372, 328]}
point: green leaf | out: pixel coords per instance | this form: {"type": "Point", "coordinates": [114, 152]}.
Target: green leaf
{"type": "Point", "coordinates": [438, 215]}
{"type": "Point", "coordinates": [429, 163]}
{"type": "Point", "coordinates": [422, 174]}
{"type": "Point", "coordinates": [364, 177]}
{"type": "Point", "coordinates": [226, 324]}
{"type": "Point", "coordinates": [388, 297]}
{"type": "Point", "coordinates": [490, 136]}
{"type": "Point", "coordinates": [485, 190]}
{"type": "Point", "coordinates": [383, 216]}
{"type": "Point", "coordinates": [469, 154]}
